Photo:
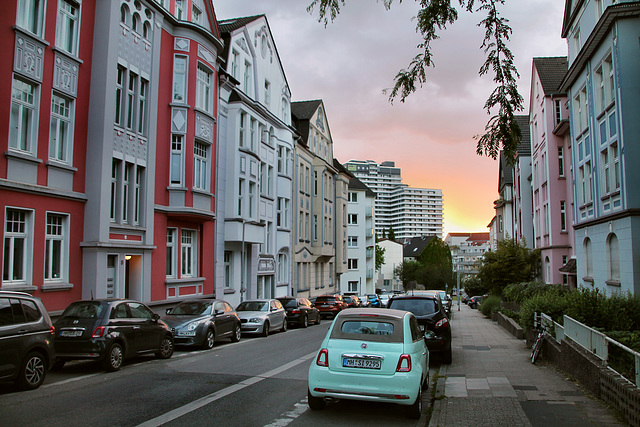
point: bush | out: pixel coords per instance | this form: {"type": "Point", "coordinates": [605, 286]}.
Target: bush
{"type": "Point", "coordinates": [551, 303]}
{"type": "Point", "coordinates": [597, 310]}
{"type": "Point", "coordinates": [519, 292]}
{"type": "Point", "coordinates": [490, 305]}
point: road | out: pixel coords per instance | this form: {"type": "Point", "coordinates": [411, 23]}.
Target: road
{"type": "Point", "coordinates": [255, 382]}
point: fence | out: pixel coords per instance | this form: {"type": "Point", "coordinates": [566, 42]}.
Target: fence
{"type": "Point", "coordinates": [593, 341]}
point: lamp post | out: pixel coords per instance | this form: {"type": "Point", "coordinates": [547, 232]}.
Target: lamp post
{"type": "Point", "coordinates": [242, 265]}
{"type": "Point", "coordinates": [458, 282]}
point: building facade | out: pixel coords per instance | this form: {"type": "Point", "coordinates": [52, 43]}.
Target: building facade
{"type": "Point", "coordinates": [467, 251]}
{"type": "Point", "coordinates": [409, 212]}
{"type": "Point", "coordinates": [255, 171]}
{"type": "Point", "coordinates": [601, 85]}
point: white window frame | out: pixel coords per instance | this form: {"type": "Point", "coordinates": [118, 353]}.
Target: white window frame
{"type": "Point", "coordinates": [352, 219]}
{"type": "Point", "coordinates": [352, 286]}
{"type": "Point", "coordinates": [30, 16]}
{"type": "Point", "coordinates": [16, 229]}
{"type": "Point", "coordinates": [137, 196]}
{"type": "Point", "coordinates": [179, 9]}
{"type": "Point", "coordinates": [56, 254]}
{"type": "Point", "coordinates": [143, 90]}
{"type": "Point", "coordinates": [180, 80]}
{"type": "Point", "coordinates": [200, 165]}
{"type": "Point", "coordinates": [120, 79]}
{"type": "Point", "coordinates": [352, 263]}
{"type": "Point", "coordinates": [23, 133]}
{"type": "Point", "coordinates": [172, 253]}
{"type": "Point", "coordinates": [352, 241]}
{"type": "Point", "coordinates": [68, 26]}
{"type": "Point", "coordinates": [176, 170]}
{"type": "Point", "coordinates": [115, 172]}
{"type": "Point", "coordinates": [126, 192]}
{"type": "Point", "coordinates": [228, 269]}
{"type": "Point", "coordinates": [196, 14]}
{"type": "Point", "coordinates": [188, 255]}
{"type": "Point", "coordinates": [61, 128]}
{"type": "Point", "coordinates": [204, 88]}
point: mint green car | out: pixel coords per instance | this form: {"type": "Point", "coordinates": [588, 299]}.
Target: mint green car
{"type": "Point", "coordinates": [371, 354]}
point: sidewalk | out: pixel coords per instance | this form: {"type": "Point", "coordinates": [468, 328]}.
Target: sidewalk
{"type": "Point", "coordinates": [491, 382]}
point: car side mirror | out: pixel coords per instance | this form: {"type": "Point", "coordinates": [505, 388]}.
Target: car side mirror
{"type": "Point", "coordinates": [168, 311]}
{"type": "Point", "coordinates": [156, 317]}
{"type": "Point", "coordinates": [218, 312]}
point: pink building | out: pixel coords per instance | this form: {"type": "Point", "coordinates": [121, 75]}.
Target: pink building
{"type": "Point", "coordinates": [551, 174]}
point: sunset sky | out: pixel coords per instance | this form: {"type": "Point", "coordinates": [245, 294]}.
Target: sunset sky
{"type": "Point", "coordinates": [349, 63]}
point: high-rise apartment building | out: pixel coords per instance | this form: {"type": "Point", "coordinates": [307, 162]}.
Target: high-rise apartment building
{"type": "Point", "coordinates": [408, 211]}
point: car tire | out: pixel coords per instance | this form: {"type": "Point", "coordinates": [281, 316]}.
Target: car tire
{"type": "Point", "coordinates": [32, 371]}
{"type": "Point", "coordinates": [305, 321]}
{"type": "Point", "coordinates": [166, 348]}
{"type": "Point", "coordinates": [114, 358]}
{"type": "Point", "coordinates": [284, 326]}
{"type": "Point", "coordinates": [415, 410]}
{"type": "Point", "coordinates": [265, 329]}
{"type": "Point", "coordinates": [447, 356]}
{"type": "Point", "coordinates": [425, 383]}
{"type": "Point", "coordinates": [319, 319]}
{"type": "Point", "coordinates": [209, 339]}
{"type": "Point", "coordinates": [237, 333]}
{"type": "Point", "coordinates": [315, 403]}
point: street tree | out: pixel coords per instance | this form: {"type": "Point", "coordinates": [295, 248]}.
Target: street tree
{"type": "Point", "coordinates": [408, 272]}
{"type": "Point", "coordinates": [379, 256]}
{"type": "Point", "coordinates": [502, 131]}
{"type": "Point", "coordinates": [511, 262]}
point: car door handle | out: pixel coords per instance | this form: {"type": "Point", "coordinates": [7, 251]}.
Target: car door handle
{"type": "Point", "coordinates": [136, 327]}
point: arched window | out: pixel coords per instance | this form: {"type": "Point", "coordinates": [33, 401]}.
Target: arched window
{"type": "Point", "coordinates": [283, 268]}
{"type": "Point", "coordinates": [588, 259]}
{"type": "Point", "coordinates": [146, 31]}
{"type": "Point", "coordinates": [613, 257]}
{"type": "Point", "coordinates": [136, 23]}
{"type": "Point", "coordinates": [125, 16]}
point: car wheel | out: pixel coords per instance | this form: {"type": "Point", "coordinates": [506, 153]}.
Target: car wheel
{"type": "Point", "coordinates": [114, 359]}
{"type": "Point", "coordinates": [319, 319]}
{"type": "Point", "coordinates": [209, 339]}
{"type": "Point", "coordinates": [166, 348]}
{"type": "Point", "coordinates": [425, 383]}
{"type": "Point", "coordinates": [32, 372]}
{"type": "Point", "coordinates": [305, 321]}
{"type": "Point", "coordinates": [315, 403]}
{"type": "Point", "coordinates": [284, 326]}
{"type": "Point", "coordinates": [237, 333]}
{"type": "Point", "coordinates": [265, 329]}
{"type": "Point", "coordinates": [447, 356]}
{"type": "Point", "coordinates": [415, 410]}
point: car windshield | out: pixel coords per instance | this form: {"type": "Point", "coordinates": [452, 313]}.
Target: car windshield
{"type": "Point", "coordinates": [418, 306]}
{"type": "Point", "coordinates": [84, 310]}
{"type": "Point", "coordinates": [372, 296]}
{"type": "Point", "coordinates": [289, 303]}
{"type": "Point", "coordinates": [325, 299]}
{"type": "Point", "coordinates": [253, 306]}
{"type": "Point", "coordinates": [367, 328]}
{"type": "Point", "coordinates": [192, 308]}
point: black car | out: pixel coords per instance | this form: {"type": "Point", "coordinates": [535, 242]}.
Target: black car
{"type": "Point", "coordinates": [26, 340]}
{"type": "Point", "coordinates": [432, 319]}
{"type": "Point", "coordinates": [352, 301]}
{"type": "Point", "coordinates": [300, 311]}
{"type": "Point", "coordinates": [110, 330]}
{"type": "Point", "coordinates": [201, 322]}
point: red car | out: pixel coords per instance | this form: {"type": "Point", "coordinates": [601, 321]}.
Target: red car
{"type": "Point", "coordinates": [330, 304]}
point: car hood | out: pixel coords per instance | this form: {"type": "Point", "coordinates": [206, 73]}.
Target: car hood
{"type": "Point", "coordinates": [181, 320]}
{"type": "Point", "coordinates": [250, 314]}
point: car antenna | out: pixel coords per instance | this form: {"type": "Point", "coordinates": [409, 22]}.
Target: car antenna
{"type": "Point", "coordinates": [91, 293]}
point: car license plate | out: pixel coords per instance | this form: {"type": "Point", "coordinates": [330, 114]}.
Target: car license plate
{"type": "Point", "coordinates": [72, 333]}
{"type": "Point", "coordinates": [186, 333]}
{"type": "Point", "coordinates": [351, 362]}
{"type": "Point", "coordinates": [324, 305]}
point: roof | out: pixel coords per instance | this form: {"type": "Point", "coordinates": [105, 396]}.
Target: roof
{"type": "Point", "coordinates": [569, 267]}
{"type": "Point", "coordinates": [551, 71]}
{"type": "Point", "coordinates": [230, 25]}
{"type": "Point", "coordinates": [416, 246]}
{"type": "Point", "coordinates": [356, 184]}
{"type": "Point", "coordinates": [524, 146]}
{"type": "Point", "coordinates": [301, 114]}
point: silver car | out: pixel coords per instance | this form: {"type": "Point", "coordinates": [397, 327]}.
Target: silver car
{"type": "Point", "coordinates": [262, 316]}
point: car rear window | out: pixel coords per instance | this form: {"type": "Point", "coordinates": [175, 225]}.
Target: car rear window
{"type": "Point", "coordinates": [380, 329]}
{"type": "Point", "coordinates": [418, 306]}
{"type": "Point", "coordinates": [253, 306]}
{"type": "Point", "coordinates": [84, 310]}
{"type": "Point", "coordinates": [325, 299]}
{"type": "Point", "coordinates": [289, 303]}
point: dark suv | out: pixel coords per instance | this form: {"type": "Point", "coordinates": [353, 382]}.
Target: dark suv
{"type": "Point", "coordinates": [300, 311]}
{"type": "Point", "coordinates": [26, 339]}
{"type": "Point", "coordinates": [432, 319]}
{"type": "Point", "coordinates": [330, 304]}
{"type": "Point", "coordinates": [110, 330]}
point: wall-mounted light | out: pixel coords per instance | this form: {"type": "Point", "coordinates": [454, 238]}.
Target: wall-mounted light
{"type": "Point", "coordinates": [127, 257]}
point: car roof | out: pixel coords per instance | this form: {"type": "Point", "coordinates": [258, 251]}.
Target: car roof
{"type": "Point", "coordinates": [360, 312]}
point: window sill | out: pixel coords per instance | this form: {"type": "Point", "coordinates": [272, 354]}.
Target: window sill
{"type": "Point", "coordinates": [71, 56]}
{"type": "Point", "coordinates": [610, 195]}
{"type": "Point", "coordinates": [22, 156]}
{"type": "Point", "coordinates": [184, 281]}
{"type": "Point", "coordinates": [613, 283]}
{"type": "Point", "coordinates": [30, 34]}
{"type": "Point", "coordinates": [201, 192]}
{"type": "Point", "coordinates": [58, 165]}
{"type": "Point", "coordinates": [61, 286]}
{"type": "Point", "coordinates": [206, 113]}
{"type": "Point", "coordinates": [18, 287]}
{"type": "Point", "coordinates": [229, 291]}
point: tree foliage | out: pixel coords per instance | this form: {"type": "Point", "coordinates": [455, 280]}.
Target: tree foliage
{"type": "Point", "coordinates": [501, 131]}
{"type": "Point", "coordinates": [379, 257]}
{"type": "Point", "coordinates": [433, 268]}
{"type": "Point", "coordinates": [408, 272]}
{"type": "Point", "coordinates": [512, 262]}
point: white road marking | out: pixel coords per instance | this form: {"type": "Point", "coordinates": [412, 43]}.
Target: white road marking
{"type": "Point", "coordinates": [203, 401]}
{"type": "Point", "coordinates": [70, 380]}
{"type": "Point", "coordinates": [288, 417]}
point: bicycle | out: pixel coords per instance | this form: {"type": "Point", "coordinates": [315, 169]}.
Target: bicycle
{"type": "Point", "coordinates": [537, 346]}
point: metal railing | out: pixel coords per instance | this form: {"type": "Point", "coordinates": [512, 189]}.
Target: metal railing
{"type": "Point", "coordinates": [588, 338]}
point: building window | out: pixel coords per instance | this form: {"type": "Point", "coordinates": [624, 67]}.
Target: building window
{"type": "Point", "coordinates": [561, 161]}
{"type": "Point", "coordinates": [267, 93]}
{"type": "Point", "coordinates": [67, 26]}
{"type": "Point", "coordinates": [252, 134]}
{"type": "Point", "coordinates": [179, 9]}
{"type": "Point", "coordinates": [61, 129]}
{"type": "Point", "coordinates": [119, 96]}
{"type": "Point", "coordinates": [187, 250]}
{"type": "Point", "coordinates": [137, 207]}
{"type": "Point", "coordinates": [31, 16]}
{"type": "Point", "coordinates": [243, 130]}
{"type": "Point", "coordinates": [115, 172]}
{"type": "Point", "coordinates": [172, 252]}
{"type": "Point", "coordinates": [353, 197]}
{"type": "Point", "coordinates": [588, 259]}
{"type": "Point", "coordinates": [613, 255]}
{"type": "Point", "coordinates": [283, 268]}
{"type": "Point", "coordinates": [23, 134]}
{"type": "Point", "coordinates": [315, 228]}
{"type": "Point", "coordinates": [176, 159]}
{"type": "Point", "coordinates": [142, 107]}
{"type": "Point", "coordinates": [180, 79]}
{"type": "Point", "coordinates": [563, 216]}
{"type": "Point", "coordinates": [353, 241]}
{"type": "Point", "coordinates": [55, 247]}
{"type": "Point", "coordinates": [558, 111]}
{"type": "Point", "coordinates": [126, 185]}
{"type": "Point", "coordinates": [196, 14]}
{"type": "Point", "coordinates": [16, 231]}
{"type": "Point", "coordinates": [353, 286]}
{"type": "Point", "coordinates": [352, 263]}
{"type": "Point", "coordinates": [352, 219]}
{"type": "Point", "coordinates": [124, 15]}
{"type": "Point", "coordinates": [131, 96]}
{"type": "Point", "coordinates": [204, 92]}
{"type": "Point", "coordinates": [199, 165]}
{"type": "Point", "coordinates": [240, 197]}
{"type": "Point", "coordinates": [252, 199]}
{"type": "Point", "coordinates": [234, 64]}
{"type": "Point", "coordinates": [247, 78]}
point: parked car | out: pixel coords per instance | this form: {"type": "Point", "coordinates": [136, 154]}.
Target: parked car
{"type": "Point", "coordinates": [384, 299]}
{"type": "Point", "coordinates": [476, 301]}
{"type": "Point", "coordinates": [110, 330]}
{"type": "Point", "coordinates": [300, 311]}
{"type": "Point", "coordinates": [447, 301]}
{"type": "Point", "coordinates": [373, 355]}
{"type": "Point", "coordinates": [330, 305]}
{"type": "Point", "coordinates": [26, 340]}
{"type": "Point", "coordinates": [261, 316]}
{"type": "Point", "coordinates": [352, 301]}
{"type": "Point", "coordinates": [432, 319]}
{"type": "Point", "coordinates": [374, 301]}
{"type": "Point", "coordinates": [202, 322]}
{"type": "Point", "coordinates": [364, 300]}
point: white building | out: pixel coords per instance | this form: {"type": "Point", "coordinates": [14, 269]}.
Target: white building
{"type": "Point", "coordinates": [393, 258]}
{"type": "Point", "coordinates": [408, 211]}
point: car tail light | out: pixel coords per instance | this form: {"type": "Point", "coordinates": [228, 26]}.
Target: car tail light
{"type": "Point", "coordinates": [98, 332]}
{"type": "Point", "coordinates": [404, 363]}
{"type": "Point", "coordinates": [442, 323]}
{"type": "Point", "coordinates": [296, 311]}
{"type": "Point", "coordinates": [323, 358]}
{"type": "Point", "coordinates": [52, 330]}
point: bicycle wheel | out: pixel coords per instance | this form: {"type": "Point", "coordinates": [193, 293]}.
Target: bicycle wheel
{"type": "Point", "coordinates": [537, 346]}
